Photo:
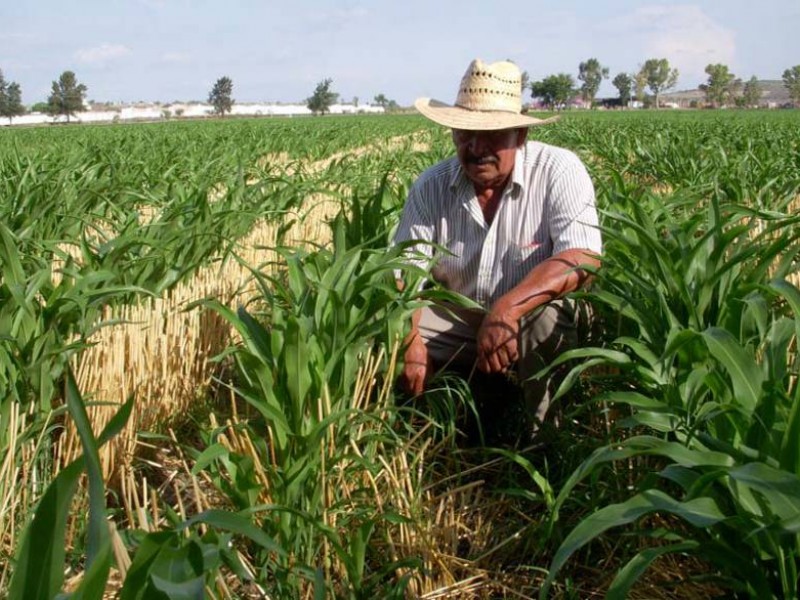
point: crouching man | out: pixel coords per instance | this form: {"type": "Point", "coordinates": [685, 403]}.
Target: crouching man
{"type": "Point", "coordinates": [518, 221]}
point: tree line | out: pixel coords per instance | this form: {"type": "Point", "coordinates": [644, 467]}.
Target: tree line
{"type": "Point", "coordinates": [319, 102]}
{"type": "Point", "coordinates": [722, 88]}
{"type": "Point", "coordinates": [655, 75]}
{"type": "Point", "coordinates": [68, 96]}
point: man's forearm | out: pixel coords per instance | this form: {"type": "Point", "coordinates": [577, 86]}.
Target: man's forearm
{"type": "Point", "coordinates": [413, 333]}
{"type": "Point", "coordinates": [555, 277]}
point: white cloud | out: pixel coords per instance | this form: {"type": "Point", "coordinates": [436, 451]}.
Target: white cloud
{"type": "Point", "coordinates": [102, 53]}
{"type": "Point", "coordinates": [683, 34]}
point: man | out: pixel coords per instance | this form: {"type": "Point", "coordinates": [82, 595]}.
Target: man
{"type": "Point", "coordinates": [519, 223]}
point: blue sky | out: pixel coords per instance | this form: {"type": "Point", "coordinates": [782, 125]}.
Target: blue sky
{"type": "Point", "coordinates": [166, 50]}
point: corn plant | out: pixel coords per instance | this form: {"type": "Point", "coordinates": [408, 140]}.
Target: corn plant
{"type": "Point", "coordinates": [299, 364]}
{"type": "Point", "coordinates": [705, 326]}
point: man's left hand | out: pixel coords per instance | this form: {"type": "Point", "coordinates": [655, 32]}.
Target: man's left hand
{"type": "Point", "coordinates": [497, 342]}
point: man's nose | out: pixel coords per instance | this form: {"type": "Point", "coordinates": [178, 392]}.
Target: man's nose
{"type": "Point", "coordinates": [477, 144]}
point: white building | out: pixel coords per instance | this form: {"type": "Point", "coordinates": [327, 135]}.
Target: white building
{"type": "Point", "coordinates": [155, 112]}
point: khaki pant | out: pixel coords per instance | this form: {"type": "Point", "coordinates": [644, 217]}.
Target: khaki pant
{"type": "Point", "coordinates": [450, 336]}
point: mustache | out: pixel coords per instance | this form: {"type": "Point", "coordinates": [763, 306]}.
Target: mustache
{"type": "Point", "coordinates": [482, 160]}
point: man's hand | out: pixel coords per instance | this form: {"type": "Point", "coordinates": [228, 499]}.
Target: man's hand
{"type": "Point", "coordinates": [497, 342]}
{"type": "Point", "coordinates": [417, 367]}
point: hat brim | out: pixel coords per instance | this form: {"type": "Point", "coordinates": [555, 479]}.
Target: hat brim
{"type": "Point", "coordinates": [456, 117]}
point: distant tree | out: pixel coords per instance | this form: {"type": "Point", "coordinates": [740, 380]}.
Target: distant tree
{"type": "Point", "coordinates": [751, 93]}
{"type": "Point", "coordinates": [525, 81]}
{"type": "Point", "coordinates": [321, 100]}
{"type": "Point", "coordinates": [791, 81]}
{"type": "Point", "coordinates": [355, 101]}
{"type": "Point", "coordinates": [722, 85]}
{"type": "Point", "coordinates": [40, 107]}
{"type": "Point", "coordinates": [220, 96]}
{"type": "Point", "coordinates": [591, 73]}
{"type": "Point", "coordinates": [624, 84]}
{"type": "Point", "coordinates": [640, 85]}
{"type": "Point", "coordinates": [554, 90]}
{"type": "Point", "coordinates": [658, 76]}
{"type": "Point", "coordinates": [10, 99]}
{"type": "Point", "coordinates": [67, 95]}
{"type": "Point", "coordinates": [381, 100]}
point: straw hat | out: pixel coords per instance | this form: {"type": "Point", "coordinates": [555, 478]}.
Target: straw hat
{"type": "Point", "coordinates": [489, 97]}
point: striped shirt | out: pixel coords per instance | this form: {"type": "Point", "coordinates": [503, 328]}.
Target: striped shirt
{"type": "Point", "coordinates": [547, 208]}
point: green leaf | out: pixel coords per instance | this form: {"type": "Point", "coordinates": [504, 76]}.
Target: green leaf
{"type": "Point", "coordinates": [137, 579]}
{"type": "Point", "coordinates": [236, 523]}
{"type": "Point", "coordinates": [780, 490]}
{"type": "Point", "coordinates": [190, 589]}
{"type": "Point", "coordinates": [298, 377]}
{"type": "Point", "coordinates": [746, 376]}
{"type": "Point", "coordinates": [630, 573]}
{"type": "Point", "coordinates": [39, 570]}
{"type": "Point", "coordinates": [790, 448]}
{"type": "Point", "coordinates": [98, 535]}
{"type": "Point", "coordinates": [208, 456]}
{"type": "Point", "coordinates": [700, 512]}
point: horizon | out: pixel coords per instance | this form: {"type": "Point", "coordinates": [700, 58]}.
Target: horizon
{"type": "Point", "coordinates": [171, 51]}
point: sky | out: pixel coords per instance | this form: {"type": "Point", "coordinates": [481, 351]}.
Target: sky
{"type": "Point", "coordinates": [174, 50]}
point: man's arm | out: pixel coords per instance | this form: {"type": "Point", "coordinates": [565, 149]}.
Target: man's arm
{"type": "Point", "coordinates": [416, 362]}
{"type": "Point", "coordinates": [552, 278]}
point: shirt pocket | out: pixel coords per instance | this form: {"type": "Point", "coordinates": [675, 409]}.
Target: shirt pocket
{"type": "Point", "coordinates": [526, 256]}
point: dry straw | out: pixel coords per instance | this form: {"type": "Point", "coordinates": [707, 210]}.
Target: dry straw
{"type": "Point", "coordinates": [161, 352]}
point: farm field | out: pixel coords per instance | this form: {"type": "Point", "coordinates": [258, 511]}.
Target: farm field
{"type": "Point", "coordinates": [199, 332]}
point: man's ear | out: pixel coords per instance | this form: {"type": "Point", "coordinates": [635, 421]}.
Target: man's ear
{"type": "Point", "coordinates": [522, 135]}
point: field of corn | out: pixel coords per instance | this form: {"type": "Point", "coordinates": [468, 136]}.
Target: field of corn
{"type": "Point", "coordinates": [199, 338]}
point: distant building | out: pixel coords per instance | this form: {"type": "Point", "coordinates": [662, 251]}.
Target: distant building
{"type": "Point", "coordinates": [158, 112]}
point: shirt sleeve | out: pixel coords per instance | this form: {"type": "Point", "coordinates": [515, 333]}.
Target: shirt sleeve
{"type": "Point", "coordinates": [573, 213]}
{"type": "Point", "coordinates": [416, 224]}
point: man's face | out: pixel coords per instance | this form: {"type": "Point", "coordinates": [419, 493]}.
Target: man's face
{"type": "Point", "coordinates": [487, 157]}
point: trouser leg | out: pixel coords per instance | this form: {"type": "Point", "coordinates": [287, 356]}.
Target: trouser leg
{"type": "Point", "coordinates": [450, 336]}
{"type": "Point", "coordinates": [544, 334]}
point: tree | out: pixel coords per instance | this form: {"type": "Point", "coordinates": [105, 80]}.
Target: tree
{"type": "Point", "coordinates": [525, 81]}
{"type": "Point", "coordinates": [657, 75]}
{"type": "Point", "coordinates": [624, 84]}
{"type": "Point", "coordinates": [791, 81]}
{"type": "Point", "coordinates": [591, 73]}
{"type": "Point", "coordinates": [220, 96]}
{"type": "Point", "coordinates": [639, 85]}
{"type": "Point", "coordinates": [555, 90]}
{"type": "Point", "coordinates": [10, 99]}
{"type": "Point", "coordinates": [722, 85]}
{"type": "Point", "coordinates": [381, 100]}
{"type": "Point", "coordinates": [385, 103]}
{"type": "Point", "coordinates": [751, 93]}
{"type": "Point", "coordinates": [320, 102]}
{"type": "Point", "coordinates": [67, 95]}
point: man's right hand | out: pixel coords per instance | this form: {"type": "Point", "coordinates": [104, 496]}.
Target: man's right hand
{"type": "Point", "coordinates": [417, 367]}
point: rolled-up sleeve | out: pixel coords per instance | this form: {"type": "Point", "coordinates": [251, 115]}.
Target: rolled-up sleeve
{"type": "Point", "coordinates": [573, 211]}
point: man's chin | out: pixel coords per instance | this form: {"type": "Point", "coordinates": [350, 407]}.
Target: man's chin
{"type": "Point", "coordinates": [482, 175]}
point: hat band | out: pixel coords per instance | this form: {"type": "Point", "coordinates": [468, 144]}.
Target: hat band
{"type": "Point", "coordinates": [487, 110]}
